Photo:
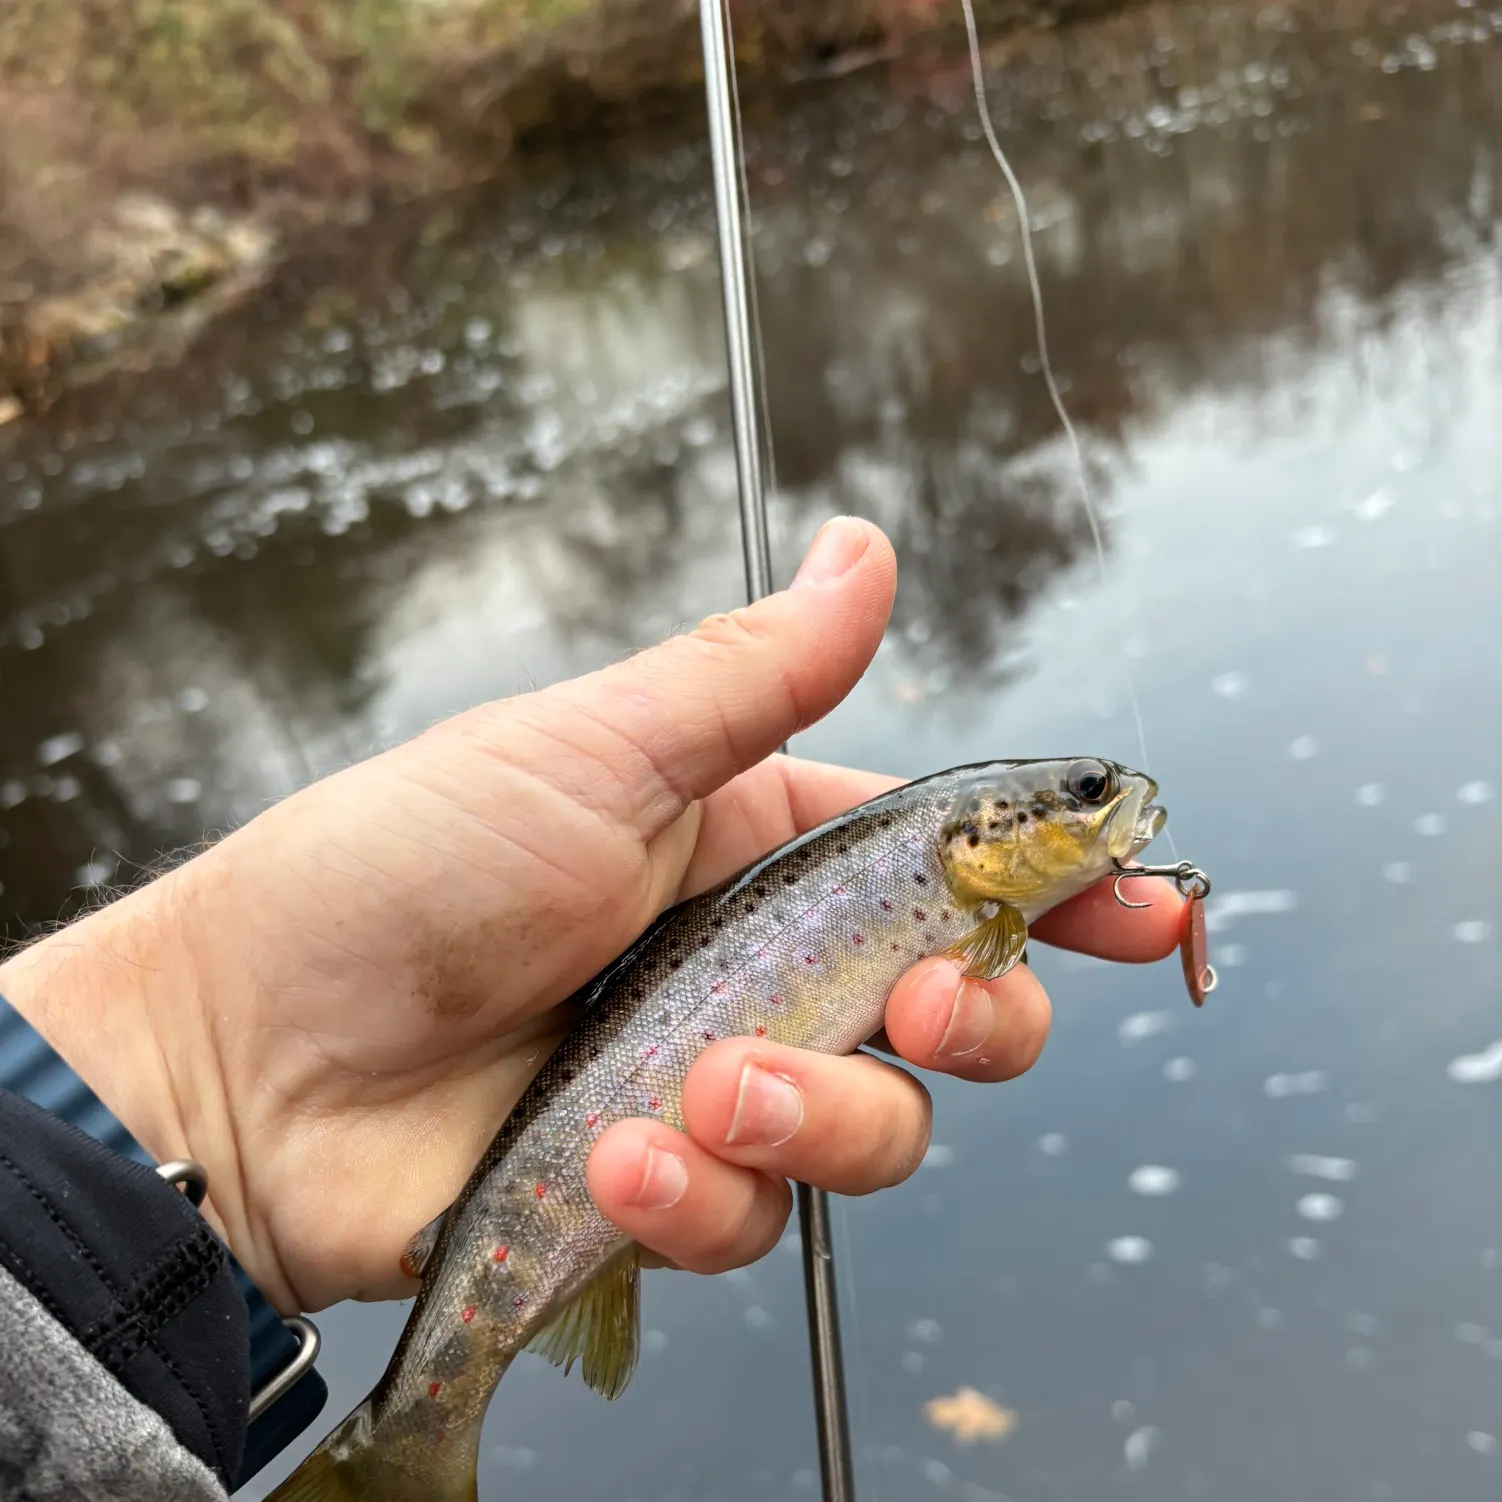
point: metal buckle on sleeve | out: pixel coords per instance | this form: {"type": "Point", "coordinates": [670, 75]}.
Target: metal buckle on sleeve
{"type": "Point", "coordinates": [194, 1181]}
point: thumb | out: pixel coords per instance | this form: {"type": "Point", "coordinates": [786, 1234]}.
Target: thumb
{"type": "Point", "coordinates": [642, 739]}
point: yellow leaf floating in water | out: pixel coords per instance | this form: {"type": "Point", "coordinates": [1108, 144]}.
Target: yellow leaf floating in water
{"type": "Point", "coordinates": [970, 1415]}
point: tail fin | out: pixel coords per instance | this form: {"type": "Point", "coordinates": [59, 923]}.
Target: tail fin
{"type": "Point", "coordinates": [359, 1463]}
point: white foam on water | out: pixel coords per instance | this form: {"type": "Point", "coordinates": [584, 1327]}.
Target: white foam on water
{"type": "Point", "coordinates": [1138, 1446]}
{"type": "Point", "coordinates": [1310, 1082]}
{"type": "Point", "coordinates": [1339, 1170]}
{"type": "Point", "coordinates": [1055, 1144]}
{"type": "Point", "coordinates": [1472, 931]}
{"type": "Point", "coordinates": [1400, 873]}
{"type": "Point", "coordinates": [1129, 1250]}
{"type": "Point", "coordinates": [1179, 1070]}
{"type": "Point", "coordinates": [1230, 685]}
{"type": "Point", "coordinates": [1320, 1207]}
{"type": "Point", "coordinates": [1141, 1026]}
{"type": "Point", "coordinates": [1318, 536]}
{"type": "Point", "coordinates": [1482, 1068]}
{"type": "Point", "coordinates": [1224, 907]}
{"type": "Point", "coordinates": [1305, 1248]}
{"type": "Point", "coordinates": [1481, 1442]}
{"type": "Point", "coordinates": [1303, 748]}
{"type": "Point", "coordinates": [1479, 791]}
{"type": "Point", "coordinates": [1153, 1179]}
{"type": "Point", "coordinates": [1430, 825]}
{"type": "Point", "coordinates": [59, 748]}
{"type": "Point", "coordinates": [1370, 794]}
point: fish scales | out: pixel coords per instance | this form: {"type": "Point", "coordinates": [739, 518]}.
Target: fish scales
{"type": "Point", "coordinates": [801, 949]}
{"type": "Point", "coordinates": [843, 915]}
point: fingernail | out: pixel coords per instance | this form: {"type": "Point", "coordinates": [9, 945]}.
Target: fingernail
{"type": "Point", "coordinates": [664, 1180]}
{"type": "Point", "coordinates": [970, 1022]}
{"type": "Point", "coordinates": [834, 550]}
{"type": "Point", "coordinates": [768, 1109]}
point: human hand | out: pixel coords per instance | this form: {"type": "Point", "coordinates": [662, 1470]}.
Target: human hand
{"type": "Point", "coordinates": [335, 1007]}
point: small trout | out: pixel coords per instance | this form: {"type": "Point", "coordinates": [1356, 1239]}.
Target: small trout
{"type": "Point", "coordinates": [801, 948]}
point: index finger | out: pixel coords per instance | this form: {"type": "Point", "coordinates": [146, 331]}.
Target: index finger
{"type": "Point", "coordinates": [1096, 923]}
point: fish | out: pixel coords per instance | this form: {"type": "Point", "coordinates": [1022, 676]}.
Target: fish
{"type": "Point", "coordinates": [800, 948]}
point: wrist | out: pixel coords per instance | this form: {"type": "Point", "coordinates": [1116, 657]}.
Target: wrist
{"type": "Point", "coordinates": [96, 991]}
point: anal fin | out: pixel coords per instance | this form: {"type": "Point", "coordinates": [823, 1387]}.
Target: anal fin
{"type": "Point", "coordinates": [601, 1328]}
{"type": "Point", "coordinates": [994, 945]}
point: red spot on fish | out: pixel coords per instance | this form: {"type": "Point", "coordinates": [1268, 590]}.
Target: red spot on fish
{"type": "Point", "coordinates": [946, 915]}
{"type": "Point", "coordinates": [920, 915]}
{"type": "Point", "coordinates": [717, 986]}
{"type": "Point", "coordinates": [540, 1190]}
{"type": "Point", "coordinates": [439, 1438]}
{"type": "Point", "coordinates": [467, 1313]}
{"type": "Point", "coordinates": [886, 906]}
{"type": "Point", "coordinates": [654, 1104]}
{"type": "Point", "coordinates": [434, 1388]}
{"type": "Point", "coordinates": [500, 1254]}
{"type": "Point", "coordinates": [896, 947]}
{"type": "Point", "coordinates": [775, 999]}
{"type": "Point", "coordinates": [838, 891]}
{"type": "Point", "coordinates": [592, 1118]}
{"type": "Point", "coordinates": [761, 1030]}
{"type": "Point", "coordinates": [810, 959]}
{"type": "Point", "coordinates": [857, 938]}
{"type": "Point", "coordinates": [709, 1035]}
{"type": "Point", "coordinates": [650, 1051]}
{"type": "Point", "coordinates": [518, 1301]}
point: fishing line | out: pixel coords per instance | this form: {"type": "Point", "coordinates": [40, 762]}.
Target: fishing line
{"type": "Point", "coordinates": [1045, 360]}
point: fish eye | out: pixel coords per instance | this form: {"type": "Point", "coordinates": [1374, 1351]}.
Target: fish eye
{"type": "Point", "coordinates": [1091, 781]}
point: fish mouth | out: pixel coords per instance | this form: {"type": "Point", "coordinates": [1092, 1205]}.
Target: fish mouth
{"type": "Point", "coordinates": [1137, 820]}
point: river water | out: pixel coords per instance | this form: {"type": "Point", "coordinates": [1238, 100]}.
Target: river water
{"type": "Point", "coordinates": [1248, 1253]}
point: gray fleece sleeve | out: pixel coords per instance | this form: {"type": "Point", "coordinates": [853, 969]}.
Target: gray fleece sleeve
{"type": "Point", "coordinates": [69, 1432]}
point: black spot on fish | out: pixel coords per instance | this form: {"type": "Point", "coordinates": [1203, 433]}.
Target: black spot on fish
{"type": "Point", "coordinates": [675, 964]}
{"type": "Point", "coordinates": [973, 841]}
{"type": "Point", "coordinates": [885, 822]}
{"type": "Point", "coordinates": [567, 1076]}
{"type": "Point", "coordinates": [920, 878]}
{"type": "Point", "coordinates": [789, 879]}
{"type": "Point", "coordinates": [994, 825]}
{"type": "Point", "coordinates": [1022, 817]}
{"type": "Point", "coordinates": [760, 890]}
{"type": "Point", "coordinates": [920, 915]}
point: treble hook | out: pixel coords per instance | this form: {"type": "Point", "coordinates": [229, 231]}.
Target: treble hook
{"type": "Point", "coordinates": [1186, 876]}
{"type": "Point", "coordinates": [1193, 885]}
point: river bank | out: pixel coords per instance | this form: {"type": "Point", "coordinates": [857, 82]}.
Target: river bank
{"type": "Point", "coordinates": [164, 158]}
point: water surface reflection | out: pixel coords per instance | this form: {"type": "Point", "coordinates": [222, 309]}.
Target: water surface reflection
{"type": "Point", "coordinates": [1254, 1251]}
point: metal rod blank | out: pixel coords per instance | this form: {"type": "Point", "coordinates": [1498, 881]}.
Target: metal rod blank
{"type": "Point", "coordinates": [830, 1409]}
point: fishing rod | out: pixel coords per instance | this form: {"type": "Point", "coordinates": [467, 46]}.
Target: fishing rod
{"type": "Point", "coordinates": [831, 1411]}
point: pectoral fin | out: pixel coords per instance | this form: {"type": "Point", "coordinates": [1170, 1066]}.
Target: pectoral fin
{"type": "Point", "coordinates": [420, 1248]}
{"type": "Point", "coordinates": [993, 946]}
{"type": "Point", "coordinates": [603, 1326]}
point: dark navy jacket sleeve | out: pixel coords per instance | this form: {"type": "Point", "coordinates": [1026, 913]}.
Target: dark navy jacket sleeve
{"type": "Point", "coordinates": [124, 1263]}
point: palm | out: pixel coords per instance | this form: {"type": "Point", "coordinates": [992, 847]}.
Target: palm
{"type": "Point", "coordinates": [386, 1049]}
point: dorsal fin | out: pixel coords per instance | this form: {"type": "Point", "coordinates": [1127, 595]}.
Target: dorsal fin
{"type": "Point", "coordinates": [602, 1326]}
